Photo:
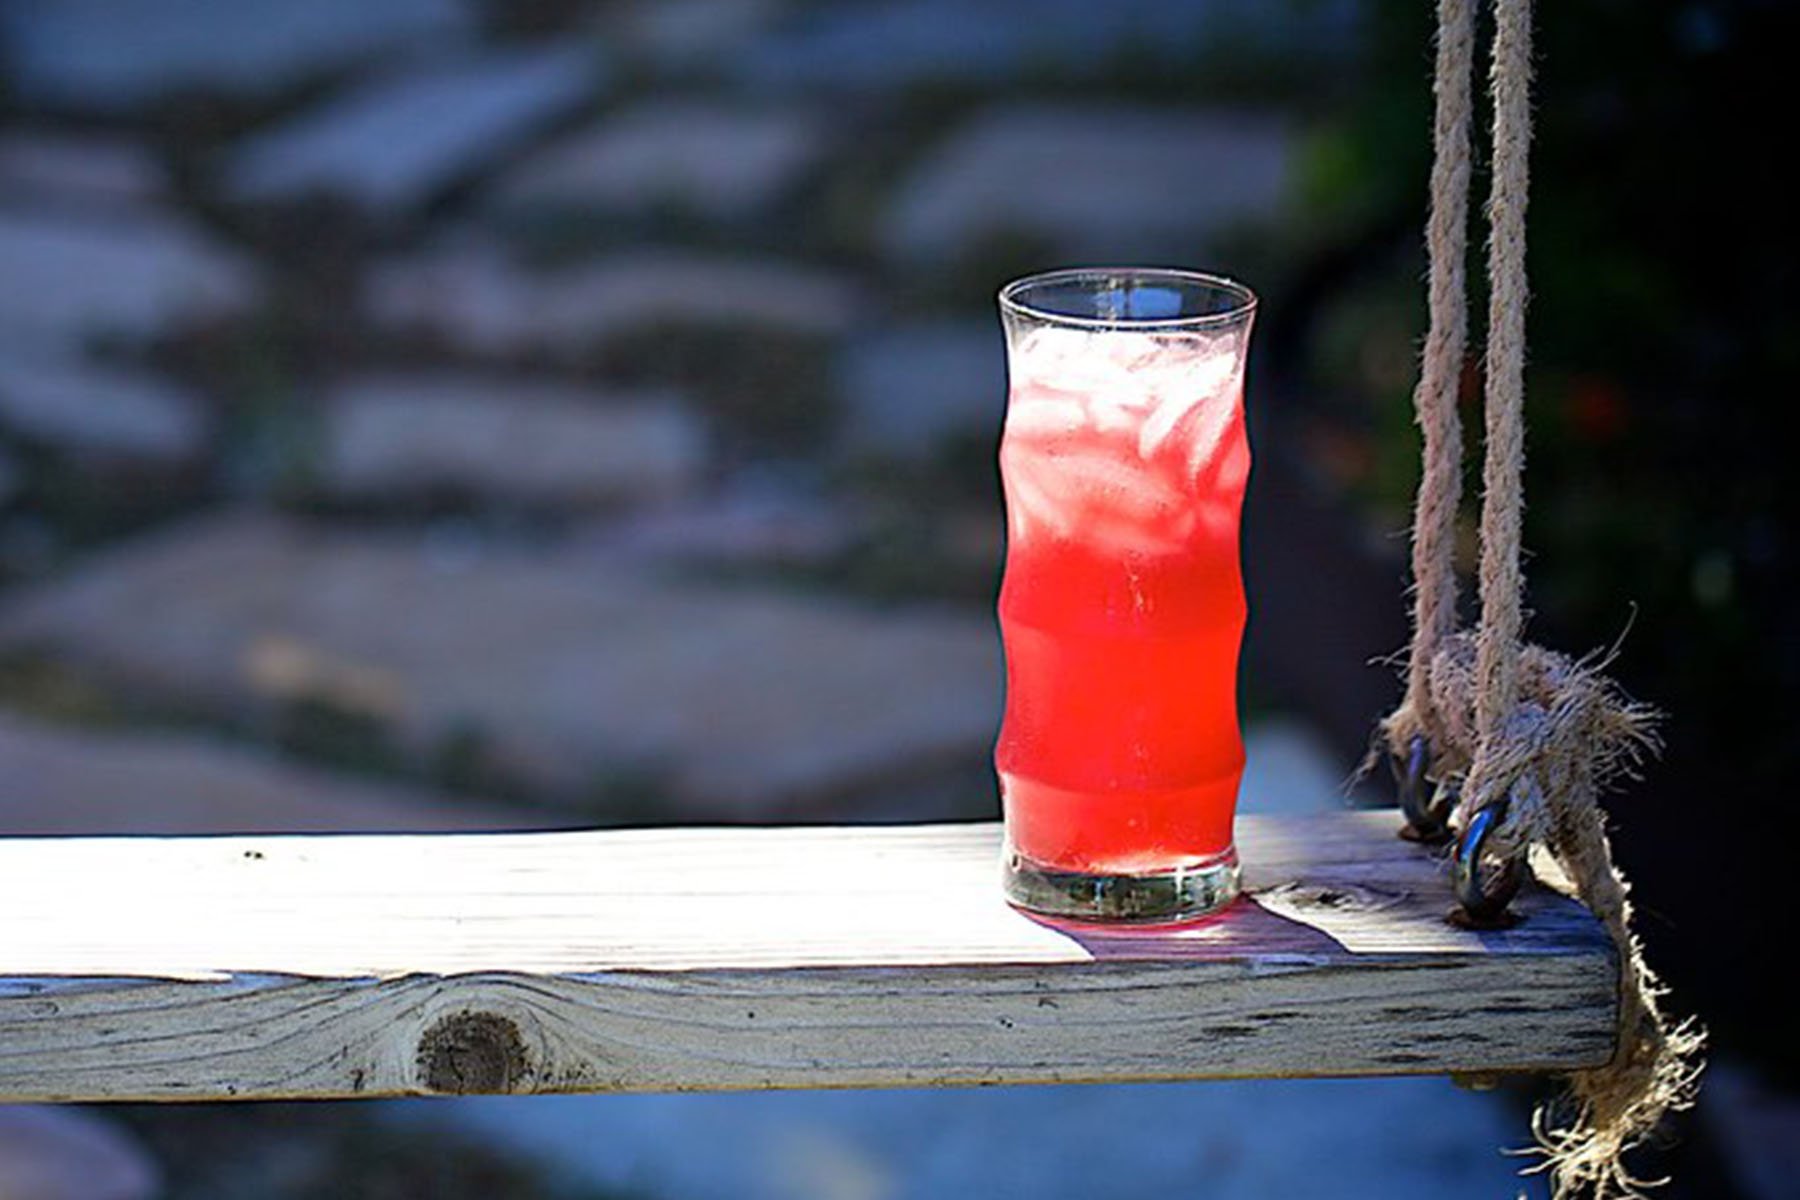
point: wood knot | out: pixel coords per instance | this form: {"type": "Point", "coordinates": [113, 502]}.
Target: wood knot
{"type": "Point", "coordinates": [472, 1052]}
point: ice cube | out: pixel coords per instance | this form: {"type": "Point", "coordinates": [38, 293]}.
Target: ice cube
{"type": "Point", "coordinates": [1075, 360]}
{"type": "Point", "coordinates": [1204, 363]}
{"type": "Point", "coordinates": [1033, 416]}
{"type": "Point", "coordinates": [1109, 501]}
{"type": "Point", "coordinates": [1212, 421]}
{"type": "Point", "coordinates": [1233, 469]}
{"type": "Point", "coordinates": [1097, 480]}
{"type": "Point", "coordinates": [1128, 393]}
{"type": "Point", "coordinates": [1163, 420]}
{"type": "Point", "coordinates": [1215, 519]}
{"type": "Point", "coordinates": [1184, 374]}
{"type": "Point", "coordinates": [1112, 418]}
{"type": "Point", "coordinates": [1119, 536]}
{"type": "Point", "coordinates": [1030, 493]}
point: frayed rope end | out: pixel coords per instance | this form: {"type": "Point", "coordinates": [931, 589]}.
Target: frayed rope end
{"type": "Point", "coordinates": [1615, 1109]}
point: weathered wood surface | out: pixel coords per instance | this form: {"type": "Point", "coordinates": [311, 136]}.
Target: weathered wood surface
{"type": "Point", "coordinates": [256, 967]}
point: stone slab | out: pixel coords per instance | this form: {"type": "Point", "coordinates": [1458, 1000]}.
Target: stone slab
{"type": "Point", "coordinates": [739, 525]}
{"type": "Point", "coordinates": [66, 1153]}
{"type": "Point", "coordinates": [400, 140]}
{"type": "Point", "coordinates": [572, 669]}
{"type": "Point", "coordinates": [475, 298]}
{"type": "Point", "coordinates": [86, 781]}
{"type": "Point", "coordinates": [507, 440]}
{"type": "Point", "coordinates": [1094, 181]}
{"type": "Point", "coordinates": [103, 56]}
{"type": "Point", "coordinates": [1755, 1125]}
{"type": "Point", "coordinates": [689, 36]}
{"type": "Point", "coordinates": [716, 160]}
{"type": "Point", "coordinates": [40, 167]}
{"type": "Point", "coordinates": [889, 46]}
{"type": "Point", "coordinates": [908, 388]}
{"type": "Point", "coordinates": [1390, 1139]}
{"type": "Point", "coordinates": [69, 281]}
{"type": "Point", "coordinates": [99, 411]}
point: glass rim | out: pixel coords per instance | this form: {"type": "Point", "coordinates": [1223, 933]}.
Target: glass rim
{"type": "Point", "coordinates": [1012, 301]}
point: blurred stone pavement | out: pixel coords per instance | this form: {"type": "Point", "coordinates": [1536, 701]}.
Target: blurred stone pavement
{"type": "Point", "coordinates": [442, 414]}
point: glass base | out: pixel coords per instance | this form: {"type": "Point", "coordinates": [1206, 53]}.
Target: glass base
{"type": "Point", "coordinates": [1179, 895]}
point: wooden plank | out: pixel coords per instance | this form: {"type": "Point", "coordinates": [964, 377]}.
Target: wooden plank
{"type": "Point", "coordinates": [331, 966]}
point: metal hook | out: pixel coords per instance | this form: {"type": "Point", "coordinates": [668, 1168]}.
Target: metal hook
{"type": "Point", "coordinates": [1426, 821]}
{"type": "Point", "coordinates": [1484, 894]}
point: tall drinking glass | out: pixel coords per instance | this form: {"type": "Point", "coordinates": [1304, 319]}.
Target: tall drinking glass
{"type": "Point", "coordinates": [1124, 461]}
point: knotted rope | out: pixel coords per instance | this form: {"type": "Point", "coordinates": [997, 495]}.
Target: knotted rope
{"type": "Point", "coordinates": [1534, 734]}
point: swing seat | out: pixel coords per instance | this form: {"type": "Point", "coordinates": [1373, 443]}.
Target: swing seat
{"type": "Point", "coordinates": [211, 968]}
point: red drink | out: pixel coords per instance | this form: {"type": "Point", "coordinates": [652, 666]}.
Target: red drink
{"type": "Point", "coordinates": [1124, 461]}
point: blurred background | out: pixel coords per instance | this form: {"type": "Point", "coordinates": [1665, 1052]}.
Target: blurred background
{"type": "Point", "coordinates": [452, 414]}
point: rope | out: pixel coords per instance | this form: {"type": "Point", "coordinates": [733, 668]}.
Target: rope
{"type": "Point", "coordinates": [1435, 398]}
{"type": "Point", "coordinates": [1516, 724]}
{"type": "Point", "coordinates": [1503, 471]}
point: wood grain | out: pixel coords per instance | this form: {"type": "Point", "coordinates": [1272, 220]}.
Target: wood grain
{"type": "Point", "coordinates": [325, 966]}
